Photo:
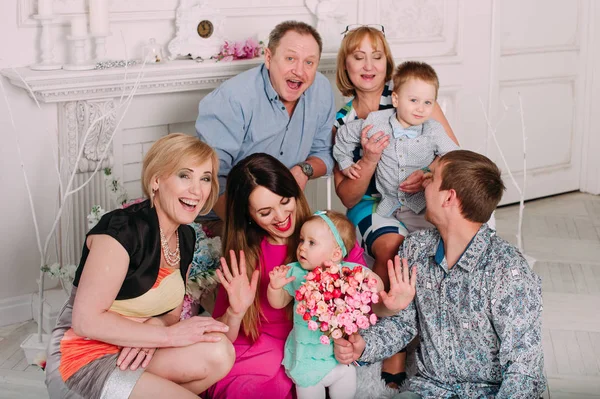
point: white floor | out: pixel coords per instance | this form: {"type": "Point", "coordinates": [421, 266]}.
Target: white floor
{"type": "Point", "coordinates": [563, 235]}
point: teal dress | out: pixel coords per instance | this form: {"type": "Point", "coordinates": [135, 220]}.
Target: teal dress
{"type": "Point", "coordinates": [306, 360]}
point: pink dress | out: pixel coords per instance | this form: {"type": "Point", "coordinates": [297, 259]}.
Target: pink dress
{"type": "Point", "coordinates": [257, 372]}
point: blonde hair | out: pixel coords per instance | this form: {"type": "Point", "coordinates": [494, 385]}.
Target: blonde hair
{"type": "Point", "coordinates": [350, 43]}
{"type": "Point", "coordinates": [415, 70]}
{"type": "Point", "coordinates": [343, 225]}
{"type": "Point", "coordinates": [173, 152]}
{"type": "Point", "coordinates": [242, 233]}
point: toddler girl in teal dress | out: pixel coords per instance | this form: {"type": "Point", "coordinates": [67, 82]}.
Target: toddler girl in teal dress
{"type": "Point", "coordinates": [312, 366]}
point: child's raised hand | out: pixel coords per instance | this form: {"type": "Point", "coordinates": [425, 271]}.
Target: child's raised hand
{"type": "Point", "coordinates": [277, 277]}
{"type": "Point", "coordinates": [351, 172]}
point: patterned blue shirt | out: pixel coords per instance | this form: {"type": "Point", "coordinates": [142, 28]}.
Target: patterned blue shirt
{"type": "Point", "coordinates": [245, 116]}
{"type": "Point", "coordinates": [479, 322]}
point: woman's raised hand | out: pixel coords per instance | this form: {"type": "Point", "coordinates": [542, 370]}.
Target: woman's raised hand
{"type": "Point", "coordinates": [415, 182]}
{"type": "Point", "coordinates": [373, 146]}
{"type": "Point", "coordinates": [240, 290]}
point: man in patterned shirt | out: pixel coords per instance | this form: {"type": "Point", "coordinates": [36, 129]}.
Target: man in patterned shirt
{"type": "Point", "coordinates": [478, 305]}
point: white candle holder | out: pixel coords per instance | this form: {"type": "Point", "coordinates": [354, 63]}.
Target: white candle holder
{"type": "Point", "coordinates": [46, 47]}
{"type": "Point", "coordinates": [78, 61]}
{"type": "Point", "coordinates": [100, 47]}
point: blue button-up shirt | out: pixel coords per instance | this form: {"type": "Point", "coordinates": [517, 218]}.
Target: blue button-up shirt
{"type": "Point", "coordinates": [479, 322]}
{"type": "Point", "coordinates": [245, 116]}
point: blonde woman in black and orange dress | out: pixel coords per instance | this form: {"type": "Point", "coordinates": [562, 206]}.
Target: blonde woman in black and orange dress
{"type": "Point", "coordinates": [119, 334]}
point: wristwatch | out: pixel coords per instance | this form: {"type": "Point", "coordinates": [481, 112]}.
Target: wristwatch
{"type": "Point", "coordinates": [307, 169]}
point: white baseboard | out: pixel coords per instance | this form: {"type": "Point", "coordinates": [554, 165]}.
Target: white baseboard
{"type": "Point", "coordinates": [25, 307]}
{"type": "Point", "coordinates": [53, 301]}
{"type": "Point", "coordinates": [15, 310]}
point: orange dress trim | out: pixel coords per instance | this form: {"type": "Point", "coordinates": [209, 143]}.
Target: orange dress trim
{"type": "Point", "coordinates": [78, 351]}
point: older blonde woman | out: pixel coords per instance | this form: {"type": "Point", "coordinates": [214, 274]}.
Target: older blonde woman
{"type": "Point", "coordinates": [119, 335]}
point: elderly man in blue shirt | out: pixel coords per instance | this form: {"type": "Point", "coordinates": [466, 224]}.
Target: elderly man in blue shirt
{"type": "Point", "coordinates": [478, 305]}
{"type": "Point", "coordinates": [284, 108]}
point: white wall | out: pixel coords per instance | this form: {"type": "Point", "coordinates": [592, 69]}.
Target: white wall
{"type": "Point", "coordinates": [482, 50]}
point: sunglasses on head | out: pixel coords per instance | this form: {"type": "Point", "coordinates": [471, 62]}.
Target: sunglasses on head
{"type": "Point", "coordinates": [350, 28]}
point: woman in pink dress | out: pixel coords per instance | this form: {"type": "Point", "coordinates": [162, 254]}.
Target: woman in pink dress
{"type": "Point", "coordinates": [265, 209]}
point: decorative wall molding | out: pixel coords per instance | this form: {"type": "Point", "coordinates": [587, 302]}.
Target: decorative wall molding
{"type": "Point", "coordinates": [79, 116]}
{"type": "Point", "coordinates": [572, 43]}
{"type": "Point", "coordinates": [575, 47]}
{"type": "Point", "coordinates": [155, 10]}
{"type": "Point", "coordinates": [423, 29]}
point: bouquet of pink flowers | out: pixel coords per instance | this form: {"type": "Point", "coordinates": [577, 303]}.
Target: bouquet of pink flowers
{"type": "Point", "coordinates": [337, 301]}
{"type": "Point", "coordinates": [250, 48]}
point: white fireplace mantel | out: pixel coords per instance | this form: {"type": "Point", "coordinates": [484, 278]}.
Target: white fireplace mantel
{"type": "Point", "coordinates": [171, 77]}
{"type": "Point", "coordinates": [82, 97]}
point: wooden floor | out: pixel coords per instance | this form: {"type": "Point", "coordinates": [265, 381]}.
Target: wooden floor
{"type": "Point", "coordinates": [562, 233]}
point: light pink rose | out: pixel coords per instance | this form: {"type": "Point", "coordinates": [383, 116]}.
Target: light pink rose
{"type": "Point", "coordinates": [344, 319]}
{"type": "Point", "coordinates": [309, 276]}
{"type": "Point", "coordinates": [365, 309]}
{"type": "Point", "coordinates": [350, 329]}
{"type": "Point", "coordinates": [365, 297]}
{"type": "Point", "coordinates": [373, 318]}
{"type": "Point", "coordinates": [351, 291]}
{"type": "Point", "coordinates": [334, 269]}
{"type": "Point", "coordinates": [316, 295]}
{"type": "Point", "coordinates": [337, 333]}
{"type": "Point", "coordinates": [321, 307]}
{"type": "Point", "coordinates": [325, 340]}
{"type": "Point", "coordinates": [300, 309]}
{"type": "Point", "coordinates": [362, 322]}
{"type": "Point", "coordinates": [312, 325]}
{"type": "Point", "coordinates": [375, 298]}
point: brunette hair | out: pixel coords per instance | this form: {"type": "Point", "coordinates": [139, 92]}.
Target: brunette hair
{"type": "Point", "coordinates": [301, 28]}
{"type": "Point", "coordinates": [476, 180]}
{"type": "Point", "coordinates": [173, 152]}
{"type": "Point", "coordinates": [242, 233]}
{"type": "Point", "coordinates": [415, 70]}
{"type": "Point", "coordinates": [343, 225]}
{"type": "Point", "coordinates": [350, 43]}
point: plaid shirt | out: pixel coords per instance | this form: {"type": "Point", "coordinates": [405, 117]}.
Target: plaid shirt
{"type": "Point", "coordinates": [410, 149]}
{"type": "Point", "coordinates": [479, 322]}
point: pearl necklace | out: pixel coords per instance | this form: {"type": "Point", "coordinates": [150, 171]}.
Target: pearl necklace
{"type": "Point", "coordinates": [171, 257]}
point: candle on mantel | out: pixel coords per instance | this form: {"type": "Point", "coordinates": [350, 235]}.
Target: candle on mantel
{"type": "Point", "coordinates": [79, 26]}
{"type": "Point", "coordinates": [99, 18]}
{"type": "Point", "coordinates": [45, 7]}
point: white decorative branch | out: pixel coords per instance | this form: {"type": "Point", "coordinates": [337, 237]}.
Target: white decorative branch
{"type": "Point", "coordinates": [492, 131]}
{"type": "Point", "coordinates": [64, 191]}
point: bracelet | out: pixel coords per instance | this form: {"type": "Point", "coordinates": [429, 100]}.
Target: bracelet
{"type": "Point", "coordinates": [426, 169]}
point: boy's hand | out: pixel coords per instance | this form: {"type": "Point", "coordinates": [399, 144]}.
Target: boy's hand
{"type": "Point", "coordinates": [402, 287]}
{"type": "Point", "coordinates": [351, 172]}
{"type": "Point", "coordinates": [278, 278]}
